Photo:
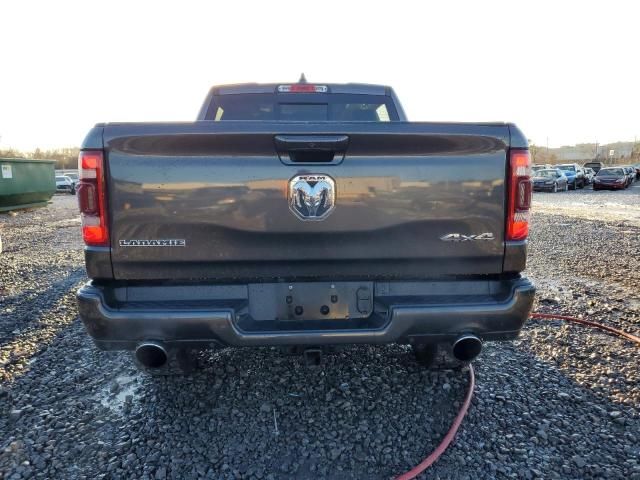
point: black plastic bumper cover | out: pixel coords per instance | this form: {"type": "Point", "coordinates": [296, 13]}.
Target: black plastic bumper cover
{"type": "Point", "coordinates": [403, 318]}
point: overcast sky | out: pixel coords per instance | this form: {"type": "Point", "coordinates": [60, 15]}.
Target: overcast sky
{"type": "Point", "coordinates": [569, 71]}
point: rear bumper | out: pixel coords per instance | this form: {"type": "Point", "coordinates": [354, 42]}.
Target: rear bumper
{"type": "Point", "coordinates": [400, 312]}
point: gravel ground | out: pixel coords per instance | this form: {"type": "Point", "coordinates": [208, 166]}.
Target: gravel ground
{"type": "Point", "coordinates": [604, 205]}
{"type": "Point", "coordinates": [560, 402]}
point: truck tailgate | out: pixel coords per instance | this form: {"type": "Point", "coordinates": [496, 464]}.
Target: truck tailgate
{"type": "Point", "coordinates": [210, 200]}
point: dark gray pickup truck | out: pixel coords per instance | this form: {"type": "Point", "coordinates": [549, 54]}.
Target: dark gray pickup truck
{"type": "Point", "coordinates": [303, 215]}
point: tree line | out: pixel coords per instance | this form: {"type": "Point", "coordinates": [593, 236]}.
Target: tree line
{"type": "Point", "coordinates": [65, 158]}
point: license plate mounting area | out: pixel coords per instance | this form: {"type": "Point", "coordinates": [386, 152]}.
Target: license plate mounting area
{"type": "Point", "coordinates": [311, 300]}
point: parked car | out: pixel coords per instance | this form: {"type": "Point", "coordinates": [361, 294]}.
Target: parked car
{"type": "Point", "coordinates": [627, 173]}
{"type": "Point", "coordinates": [550, 180]}
{"type": "Point", "coordinates": [595, 166]}
{"type": "Point", "coordinates": [637, 167]}
{"type": "Point", "coordinates": [538, 167]}
{"type": "Point", "coordinates": [310, 225]}
{"type": "Point", "coordinates": [72, 174]}
{"type": "Point", "coordinates": [611, 178]}
{"type": "Point", "coordinates": [75, 178]}
{"type": "Point", "coordinates": [65, 184]}
{"type": "Point", "coordinates": [574, 173]}
{"type": "Point", "coordinates": [631, 173]}
{"type": "Point", "coordinates": [588, 175]}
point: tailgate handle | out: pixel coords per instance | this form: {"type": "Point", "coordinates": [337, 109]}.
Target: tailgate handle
{"type": "Point", "coordinates": [295, 149]}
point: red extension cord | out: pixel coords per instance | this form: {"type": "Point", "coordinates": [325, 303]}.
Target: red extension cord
{"type": "Point", "coordinates": [448, 438]}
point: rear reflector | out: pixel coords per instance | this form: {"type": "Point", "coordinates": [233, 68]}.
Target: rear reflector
{"type": "Point", "coordinates": [519, 195]}
{"type": "Point", "coordinates": [302, 88]}
{"type": "Point", "coordinates": [92, 198]}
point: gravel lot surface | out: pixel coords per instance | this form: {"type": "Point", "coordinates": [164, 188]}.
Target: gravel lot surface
{"type": "Point", "coordinates": [560, 402]}
{"type": "Point", "coordinates": [604, 205]}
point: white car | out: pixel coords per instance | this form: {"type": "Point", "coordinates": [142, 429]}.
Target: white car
{"type": "Point", "coordinates": [74, 177]}
{"type": "Point", "coordinates": [65, 184]}
{"type": "Point", "coordinates": [588, 175]}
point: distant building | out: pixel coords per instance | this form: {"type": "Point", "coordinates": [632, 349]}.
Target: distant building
{"type": "Point", "coordinates": [584, 152]}
{"type": "Point", "coordinates": [621, 150]}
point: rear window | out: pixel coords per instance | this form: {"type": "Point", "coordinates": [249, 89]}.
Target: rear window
{"type": "Point", "coordinates": [298, 107]}
{"type": "Point", "coordinates": [301, 111]}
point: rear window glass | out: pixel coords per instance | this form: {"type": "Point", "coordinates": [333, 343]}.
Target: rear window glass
{"type": "Point", "coordinates": [302, 107]}
{"type": "Point", "coordinates": [302, 111]}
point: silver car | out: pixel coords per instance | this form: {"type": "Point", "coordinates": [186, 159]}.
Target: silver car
{"type": "Point", "coordinates": [550, 180]}
{"type": "Point", "coordinates": [65, 184]}
{"type": "Point", "coordinates": [588, 175]}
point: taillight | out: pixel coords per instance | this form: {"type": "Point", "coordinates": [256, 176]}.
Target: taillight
{"type": "Point", "coordinates": [92, 198]}
{"type": "Point", "coordinates": [519, 195]}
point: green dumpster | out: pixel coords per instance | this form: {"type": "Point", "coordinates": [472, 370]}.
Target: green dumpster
{"type": "Point", "coordinates": [25, 183]}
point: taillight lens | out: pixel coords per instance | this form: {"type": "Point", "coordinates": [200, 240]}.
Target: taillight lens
{"type": "Point", "coordinates": [92, 198]}
{"type": "Point", "coordinates": [519, 191]}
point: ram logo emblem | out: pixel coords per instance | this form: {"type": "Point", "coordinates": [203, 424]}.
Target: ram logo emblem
{"type": "Point", "coordinates": [312, 197]}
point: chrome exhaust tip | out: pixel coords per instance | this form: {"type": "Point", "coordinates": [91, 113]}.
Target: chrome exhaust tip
{"type": "Point", "coordinates": [467, 347]}
{"type": "Point", "coordinates": [151, 355]}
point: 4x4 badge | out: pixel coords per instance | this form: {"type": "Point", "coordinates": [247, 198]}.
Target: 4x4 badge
{"type": "Point", "coordinates": [459, 237]}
